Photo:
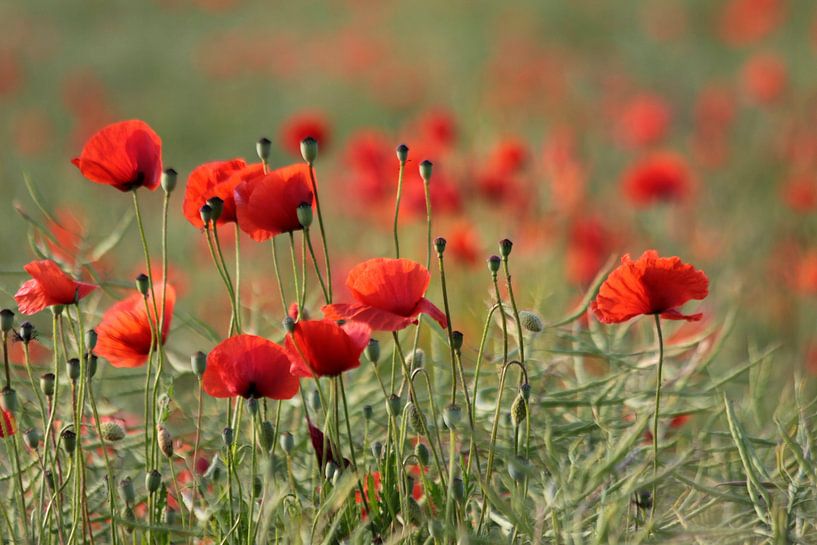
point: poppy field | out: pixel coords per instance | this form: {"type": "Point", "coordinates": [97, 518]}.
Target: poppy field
{"type": "Point", "coordinates": [362, 272]}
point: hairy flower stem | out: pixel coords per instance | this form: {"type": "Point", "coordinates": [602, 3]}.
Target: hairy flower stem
{"type": "Point", "coordinates": [223, 274]}
{"type": "Point", "coordinates": [231, 288]}
{"type": "Point", "coordinates": [278, 275]}
{"type": "Point", "coordinates": [449, 328]}
{"type": "Point", "coordinates": [6, 359]}
{"type": "Point", "coordinates": [504, 320]}
{"type": "Point", "coordinates": [298, 290]}
{"type": "Point", "coordinates": [196, 444]}
{"type": "Point", "coordinates": [254, 473]}
{"type": "Point", "coordinates": [323, 231]}
{"type": "Point", "coordinates": [520, 338]}
{"type": "Point", "coordinates": [658, 380]}
{"type": "Point", "coordinates": [326, 296]}
{"type": "Point", "coordinates": [397, 207]}
{"type": "Point", "coordinates": [40, 402]}
{"type": "Point", "coordinates": [13, 454]}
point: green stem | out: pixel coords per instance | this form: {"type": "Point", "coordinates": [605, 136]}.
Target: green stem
{"type": "Point", "coordinates": [504, 320]}
{"type": "Point", "coordinates": [326, 296]}
{"type": "Point", "coordinates": [323, 231]}
{"type": "Point", "coordinates": [515, 310]}
{"type": "Point", "coordinates": [294, 271]}
{"type": "Point", "coordinates": [278, 275]}
{"type": "Point", "coordinates": [397, 207]}
{"type": "Point", "coordinates": [658, 380]}
{"type": "Point", "coordinates": [449, 329]}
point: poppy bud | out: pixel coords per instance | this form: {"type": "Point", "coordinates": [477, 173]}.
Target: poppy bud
{"type": "Point", "coordinates": [91, 361]}
{"type": "Point", "coordinates": [394, 405]}
{"type": "Point", "coordinates": [143, 284]}
{"type": "Point", "coordinates": [257, 485]}
{"type": "Point", "coordinates": [69, 441]}
{"type": "Point", "coordinates": [505, 247]}
{"type": "Point", "coordinates": [267, 435]}
{"type": "Point", "coordinates": [421, 451]}
{"type": "Point", "coordinates": [165, 440]}
{"type": "Point", "coordinates": [377, 450]}
{"type": "Point", "coordinates": [425, 170]}
{"type": "Point", "coordinates": [169, 176]}
{"type": "Point", "coordinates": [6, 320]}
{"type": "Point", "coordinates": [493, 264]}
{"type": "Point", "coordinates": [168, 516]}
{"type": "Point", "coordinates": [206, 213]}
{"type": "Point", "coordinates": [287, 441]}
{"type": "Point", "coordinates": [252, 406]}
{"type": "Point", "coordinates": [314, 400]}
{"type": "Point", "coordinates": [263, 148]}
{"type": "Point", "coordinates": [368, 412]}
{"type": "Point", "coordinates": [49, 480]}
{"type": "Point", "coordinates": [126, 491]}
{"type": "Point", "coordinates": [90, 339]}
{"type": "Point", "coordinates": [56, 310]}
{"type": "Point", "coordinates": [31, 438]}
{"type": "Point", "coordinates": [47, 384]}
{"type": "Point", "coordinates": [111, 431]}
{"type": "Point", "coordinates": [452, 416]}
{"type": "Point", "coordinates": [458, 489]}
{"type": "Point", "coordinates": [8, 400]}
{"type": "Point", "coordinates": [373, 351]}
{"type": "Point", "coordinates": [518, 469]}
{"type": "Point", "coordinates": [644, 499]}
{"type": "Point", "coordinates": [456, 340]}
{"type": "Point", "coordinates": [304, 212]}
{"type": "Point", "coordinates": [72, 366]}
{"type": "Point", "coordinates": [26, 332]}
{"type": "Point", "coordinates": [439, 245]}
{"type": "Point", "coordinates": [414, 417]}
{"type": "Point", "coordinates": [524, 390]}
{"type": "Point", "coordinates": [402, 153]}
{"type": "Point", "coordinates": [227, 436]}
{"type": "Point", "coordinates": [216, 207]}
{"type": "Point", "coordinates": [329, 470]}
{"type": "Point", "coordinates": [289, 324]}
{"type": "Point", "coordinates": [531, 321]}
{"type": "Point", "coordinates": [519, 410]}
{"type": "Point", "coordinates": [416, 358]}
{"type": "Point", "coordinates": [153, 480]}
{"type": "Point", "coordinates": [309, 149]}
{"type": "Point", "coordinates": [198, 362]}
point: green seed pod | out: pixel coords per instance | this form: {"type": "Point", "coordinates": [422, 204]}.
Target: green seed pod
{"type": "Point", "coordinates": [92, 364]}
{"type": "Point", "coordinates": [314, 400]}
{"type": "Point", "coordinates": [90, 339]}
{"type": "Point", "coordinates": [27, 332]}
{"type": "Point", "coordinates": [289, 325]}
{"type": "Point", "coordinates": [402, 153]}
{"type": "Point", "coordinates": [425, 170]}
{"type": "Point", "coordinates": [421, 451]}
{"type": "Point", "coordinates": [169, 177]}
{"type": "Point", "coordinates": [47, 382]}
{"type": "Point", "coordinates": [456, 340]}
{"type": "Point", "coordinates": [414, 417]}
{"type": "Point", "coordinates": [153, 480]}
{"type": "Point", "coordinates": [8, 400]}
{"type": "Point", "coordinates": [439, 246]}
{"type": "Point", "coordinates": [165, 440]}
{"type": "Point", "coordinates": [368, 412]}
{"type": "Point", "coordinates": [377, 450]}
{"type": "Point", "coordinates": [394, 405]}
{"type": "Point", "coordinates": [309, 149]}
{"type": "Point", "coordinates": [373, 351]}
{"type": "Point", "coordinates": [287, 442]}
{"type": "Point", "coordinates": [227, 436]}
{"type": "Point", "coordinates": [258, 485]}
{"type": "Point", "coordinates": [111, 431]}
{"type": "Point", "coordinates": [73, 369]}
{"type": "Point", "coordinates": [206, 213]}
{"type": "Point", "coordinates": [263, 148]}
{"type": "Point", "coordinates": [252, 406]}
{"type": "Point", "coordinates": [31, 438]}
{"type": "Point", "coordinates": [49, 480]}
{"type": "Point", "coordinates": [127, 491]}
{"type": "Point", "coordinates": [493, 264]}
{"type": "Point", "coordinates": [143, 284]}
{"type": "Point", "coordinates": [525, 391]}
{"type": "Point", "coordinates": [216, 205]}
{"type": "Point", "coordinates": [458, 489]}
{"type": "Point", "coordinates": [304, 212]}
{"type": "Point", "coordinates": [267, 435]}
{"type": "Point", "coordinates": [69, 441]}
{"type": "Point", "coordinates": [198, 362]}
{"type": "Point", "coordinates": [519, 410]}
{"type": "Point", "coordinates": [505, 247]}
{"type": "Point", "coordinates": [6, 320]}
{"type": "Point", "coordinates": [531, 321]}
{"type": "Point", "coordinates": [452, 416]}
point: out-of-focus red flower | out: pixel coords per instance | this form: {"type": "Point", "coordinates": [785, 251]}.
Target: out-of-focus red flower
{"type": "Point", "coordinates": [33, 131]}
{"type": "Point", "coordinates": [68, 232]}
{"type": "Point", "coordinates": [11, 75]}
{"type": "Point", "coordinates": [249, 366]}
{"type": "Point", "coordinates": [437, 129]}
{"type": "Point", "coordinates": [643, 120]}
{"type": "Point", "coordinates": [48, 286]}
{"type": "Point", "coordinates": [499, 181]}
{"type": "Point", "coordinates": [800, 193]}
{"type": "Point", "coordinates": [322, 348]}
{"type": "Point", "coordinates": [372, 168]}
{"type": "Point", "coordinates": [805, 273]}
{"type": "Point", "coordinates": [37, 353]}
{"type": "Point", "coordinates": [649, 285]}
{"type": "Point", "coordinates": [564, 170]}
{"type": "Point", "coordinates": [714, 109]}
{"type": "Point", "coordinates": [7, 428]}
{"type": "Point", "coordinates": [659, 177]}
{"type": "Point", "coordinates": [676, 423]}
{"type": "Point", "coordinates": [215, 179]}
{"type": "Point", "coordinates": [124, 333]}
{"type": "Point", "coordinates": [301, 126]}
{"type": "Point", "coordinates": [388, 293]}
{"type": "Point", "coordinates": [589, 246]}
{"type": "Point", "coordinates": [764, 78]}
{"type": "Point", "coordinates": [267, 206]}
{"type": "Point", "coordinates": [745, 21]}
{"type": "Point", "coordinates": [126, 155]}
{"type": "Point", "coordinates": [464, 244]}
{"type": "Point", "coordinates": [443, 192]}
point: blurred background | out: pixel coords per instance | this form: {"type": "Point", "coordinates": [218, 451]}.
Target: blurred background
{"type": "Point", "coordinates": [579, 129]}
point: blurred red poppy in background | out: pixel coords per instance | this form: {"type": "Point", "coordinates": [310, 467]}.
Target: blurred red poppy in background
{"type": "Point", "coordinates": [323, 348]}
{"type": "Point", "coordinates": [48, 286]}
{"type": "Point", "coordinates": [659, 177]}
{"type": "Point", "coordinates": [215, 179]}
{"type": "Point", "coordinates": [302, 125]}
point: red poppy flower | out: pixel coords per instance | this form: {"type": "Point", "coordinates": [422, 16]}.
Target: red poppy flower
{"type": "Point", "coordinates": [388, 293]}
{"type": "Point", "coordinates": [764, 78]}
{"type": "Point", "coordinates": [301, 126]}
{"type": "Point", "coordinates": [8, 424]}
{"type": "Point", "coordinates": [324, 348]}
{"type": "Point", "coordinates": [124, 332]}
{"type": "Point", "coordinates": [644, 120]}
{"type": "Point", "coordinates": [800, 193]}
{"type": "Point", "coordinates": [48, 286]}
{"type": "Point", "coordinates": [215, 179]}
{"type": "Point", "coordinates": [660, 177]}
{"type": "Point", "coordinates": [249, 366]}
{"type": "Point", "coordinates": [589, 246]}
{"type": "Point", "coordinates": [650, 285]}
{"type": "Point", "coordinates": [126, 155]}
{"type": "Point", "coordinates": [267, 206]}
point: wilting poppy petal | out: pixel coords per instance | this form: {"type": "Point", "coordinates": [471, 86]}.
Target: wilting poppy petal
{"type": "Point", "coordinates": [215, 179]}
{"type": "Point", "coordinates": [48, 286]}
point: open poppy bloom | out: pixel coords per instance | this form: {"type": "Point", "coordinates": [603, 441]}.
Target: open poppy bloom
{"type": "Point", "coordinates": [249, 366]}
{"type": "Point", "coordinates": [650, 285]}
{"type": "Point", "coordinates": [124, 332]}
{"type": "Point", "coordinates": [267, 205]}
{"type": "Point", "coordinates": [323, 348]}
{"type": "Point", "coordinates": [126, 155]}
{"type": "Point", "coordinates": [48, 286]}
{"type": "Point", "coordinates": [388, 293]}
{"type": "Point", "coordinates": [7, 428]}
{"type": "Point", "coordinates": [215, 179]}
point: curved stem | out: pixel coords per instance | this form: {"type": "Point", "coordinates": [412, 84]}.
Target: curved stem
{"type": "Point", "coordinates": [323, 231]}
{"type": "Point", "coordinates": [397, 207]}
{"type": "Point", "coordinates": [520, 338]}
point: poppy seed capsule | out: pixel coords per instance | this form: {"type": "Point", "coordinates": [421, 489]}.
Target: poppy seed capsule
{"type": "Point", "coordinates": [267, 435]}
{"type": "Point", "coordinates": [402, 153]}
{"type": "Point", "coordinates": [168, 180]}
{"type": "Point", "coordinates": [26, 332]}
{"type": "Point", "coordinates": [8, 400]}
{"type": "Point", "coordinates": [198, 362]}
{"type": "Point", "coordinates": [456, 340]}
{"type": "Point", "coordinates": [531, 321]}
{"type": "Point", "coordinates": [421, 451]}
{"type": "Point", "coordinates": [92, 363]}
{"type": "Point", "coordinates": [452, 416]}
{"type": "Point", "coordinates": [72, 366]}
{"type": "Point", "coordinates": [153, 480]}
{"type": "Point", "coordinates": [216, 207]}
{"type": "Point", "coordinates": [111, 431]}
{"type": "Point", "coordinates": [252, 406]}
{"type": "Point", "coordinates": [425, 170]}
{"type": "Point", "coordinates": [377, 450]}
{"type": "Point", "coordinates": [127, 491]}
{"type": "Point", "coordinates": [49, 480]}
{"type": "Point", "coordinates": [309, 149]}
{"type": "Point", "coordinates": [304, 212]}
{"type": "Point", "coordinates": [287, 441]}
{"type": "Point", "coordinates": [368, 412]}
{"type": "Point", "coordinates": [206, 213]}
{"type": "Point", "coordinates": [289, 324]}
{"type": "Point", "coordinates": [394, 405]}
{"type": "Point", "coordinates": [69, 441]}
{"type": "Point", "coordinates": [31, 438]}
{"type": "Point", "coordinates": [519, 410]}
{"type": "Point", "coordinates": [47, 384]}
{"type": "Point", "coordinates": [143, 284]}
{"type": "Point", "coordinates": [258, 485]}
{"type": "Point", "coordinates": [524, 390]}
{"type": "Point", "coordinates": [6, 320]}
{"type": "Point", "coordinates": [505, 247]}
{"type": "Point", "coordinates": [263, 148]}
{"type": "Point", "coordinates": [493, 264]}
{"type": "Point", "coordinates": [458, 489]}
{"type": "Point", "coordinates": [439, 245]}
{"type": "Point", "coordinates": [90, 339]}
{"type": "Point", "coordinates": [227, 436]}
{"type": "Point", "coordinates": [165, 440]}
{"type": "Point", "coordinates": [373, 351]}
{"type": "Point", "coordinates": [315, 400]}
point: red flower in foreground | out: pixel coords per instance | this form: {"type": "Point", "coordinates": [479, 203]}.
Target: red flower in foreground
{"type": "Point", "coordinates": [388, 293]}
{"type": "Point", "coordinates": [215, 179]}
{"type": "Point", "coordinates": [48, 286]}
{"type": "Point", "coordinates": [659, 177]}
{"type": "Point", "coordinates": [249, 366]}
{"type": "Point", "coordinates": [124, 332]}
{"type": "Point", "coordinates": [8, 424]}
{"type": "Point", "coordinates": [324, 348]}
{"type": "Point", "coordinates": [649, 285]}
{"type": "Point", "coordinates": [267, 206]}
{"type": "Point", "coordinates": [126, 155]}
